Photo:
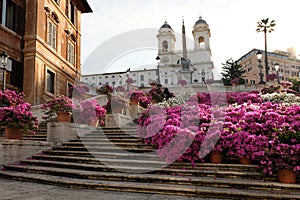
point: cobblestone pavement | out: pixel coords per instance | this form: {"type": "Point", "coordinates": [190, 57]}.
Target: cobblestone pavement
{"type": "Point", "coordinates": [18, 190]}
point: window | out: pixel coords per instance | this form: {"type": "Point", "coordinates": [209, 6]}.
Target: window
{"type": "Point", "coordinates": [142, 77]}
{"type": "Point", "coordinates": [71, 12]}
{"type": "Point", "coordinates": [106, 76]}
{"type": "Point", "coordinates": [113, 83]}
{"type": "Point", "coordinates": [52, 31]}
{"type": "Point", "coordinates": [201, 42]}
{"type": "Point", "coordinates": [50, 81]}
{"type": "Point", "coordinates": [166, 81]}
{"type": "Point", "coordinates": [71, 53]}
{"type": "Point", "coordinates": [165, 45]}
{"type": "Point", "coordinates": [113, 76]}
{"type": "Point", "coordinates": [8, 14]}
{"type": "Point", "coordinates": [99, 83]}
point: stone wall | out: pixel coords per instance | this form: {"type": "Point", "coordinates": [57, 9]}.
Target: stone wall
{"type": "Point", "coordinates": [12, 151]}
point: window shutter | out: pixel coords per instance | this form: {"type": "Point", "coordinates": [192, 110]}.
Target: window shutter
{"type": "Point", "coordinates": [54, 29]}
{"type": "Point", "coordinates": [49, 32]}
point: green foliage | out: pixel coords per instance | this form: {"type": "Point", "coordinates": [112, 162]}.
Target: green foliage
{"type": "Point", "coordinates": [265, 26]}
{"type": "Point", "coordinates": [296, 84]}
{"type": "Point", "coordinates": [232, 70]}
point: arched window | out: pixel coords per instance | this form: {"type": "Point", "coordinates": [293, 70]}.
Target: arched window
{"type": "Point", "coordinates": [201, 42]}
{"type": "Point", "coordinates": [165, 45]}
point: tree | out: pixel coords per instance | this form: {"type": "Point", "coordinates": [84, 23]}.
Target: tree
{"type": "Point", "coordinates": [296, 84]}
{"type": "Point", "coordinates": [232, 70]}
{"type": "Point", "coordinates": [265, 26]}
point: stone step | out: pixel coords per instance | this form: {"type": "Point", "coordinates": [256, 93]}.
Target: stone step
{"type": "Point", "coordinates": [34, 139]}
{"type": "Point", "coordinates": [135, 168]}
{"type": "Point", "coordinates": [155, 178]}
{"type": "Point", "coordinates": [98, 136]}
{"type": "Point", "coordinates": [121, 135]}
{"type": "Point", "coordinates": [108, 139]}
{"type": "Point", "coordinates": [101, 129]}
{"type": "Point", "coordinates": [106, 143]}
{"type": "Point", "coordinates": [146, 160]}
{"type": "Point", "coordinates": [102, 154]}
{"type": "Point", "coordinates": [108, 148]}
{"type": "Point", "coordinates": [98, 160]}
{"type": "Point", "coordinates": [143, 156]}
{"type": "Point", "coordinates": [153, 188]}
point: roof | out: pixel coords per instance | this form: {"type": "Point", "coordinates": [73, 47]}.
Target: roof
{"type": "Point", "coordinates": [83, 6]}
{"type": "Point", "coordinates": [200, 21]}
{"type": "Point", "coordinates": [166, 25]}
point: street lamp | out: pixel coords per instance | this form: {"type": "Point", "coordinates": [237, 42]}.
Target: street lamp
{"type": "Point", "coordinates": [259, 56]}
{"type": "Point", "coordinates": [277, 71]}
{"type": "Point", "coordinates": [127, 75]}
{"type": "Point", "coordinates": [4, 58]}
{"type": "Point", "coordinates": [121, 79]}
{"type": "Point", "coordinates": [158, 77]}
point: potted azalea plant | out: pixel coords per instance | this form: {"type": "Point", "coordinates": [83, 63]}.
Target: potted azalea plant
{"type": "Point", "coordinates": [182, 82]}
{"type": "Point", "coordinates": [283, 154]}
{"type": "Point", "coordinates": [10, 98]}
{"type": "Point", "coordinates": [15, 115]}
{"type": "Point", "coordinates": [89, 112]}
{"type": "Point", "coordinates": [134, 96]}
{"type": "Point", "coordinates": [60, 107]}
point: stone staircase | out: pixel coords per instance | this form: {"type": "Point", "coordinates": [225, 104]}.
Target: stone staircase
{"type": "Point", "coordinates": [41, 134]}
{"type": "Point", "coordinates": [117, 160]}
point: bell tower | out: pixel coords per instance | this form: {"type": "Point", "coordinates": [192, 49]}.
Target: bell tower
{"type": "Point", "coordinates": [166, 39]}
{"type": "Point", "coordinates": [201, 33]}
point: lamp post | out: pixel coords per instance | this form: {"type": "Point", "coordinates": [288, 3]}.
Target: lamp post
{"type": "Point", "coordinates": [158, 77]}
{"type": "Point", "coordinates": [277, 72]}
{"type": "Point", "coordinates": [4, 58]}
{"type": "Point", "coordinates": [259, 56]}
{"type": "Point", "coordinates": [121, 79]}
{"type": "Point", "coordinates": [127, 75]}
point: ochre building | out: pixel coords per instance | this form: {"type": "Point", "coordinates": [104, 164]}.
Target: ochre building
{"type": "Point", "coordinates": [42, 39]}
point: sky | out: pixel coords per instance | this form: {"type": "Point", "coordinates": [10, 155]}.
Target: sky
{"type": "Point", "coordinates": [115, 24]}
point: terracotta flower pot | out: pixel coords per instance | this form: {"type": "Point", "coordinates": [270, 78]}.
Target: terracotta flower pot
{"type": "Point", "coordinates": [245, 161]}
{"type": "Point", "coordinates": [215, 157]}
{"type": "Point", "coordinates": [13, 133]}
{"type": "Point", "coordinates": [286, 176]}
{"type": "Point", "coordinates": [64, 117]}
{"type": "Point", "coordinates": [134, 102]}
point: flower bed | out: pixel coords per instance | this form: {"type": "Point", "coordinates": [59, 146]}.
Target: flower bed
{"type": "Point", "coordinates": [266, 132]}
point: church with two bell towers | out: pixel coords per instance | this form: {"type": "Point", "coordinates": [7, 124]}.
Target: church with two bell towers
{"type": "Point", "coordinates": [193, 65]}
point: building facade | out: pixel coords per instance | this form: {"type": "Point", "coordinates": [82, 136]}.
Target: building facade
{"type": "Point", "coordinates": [200, 65]}
{"type": "Point", "coordinates": [42, 39]}
{"type": "Point", "coordinates": [170, 67]}
{"type": "Point", "coordinates": [289, 65]}
{"type": "Point", "coordinates": [141, 78]}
